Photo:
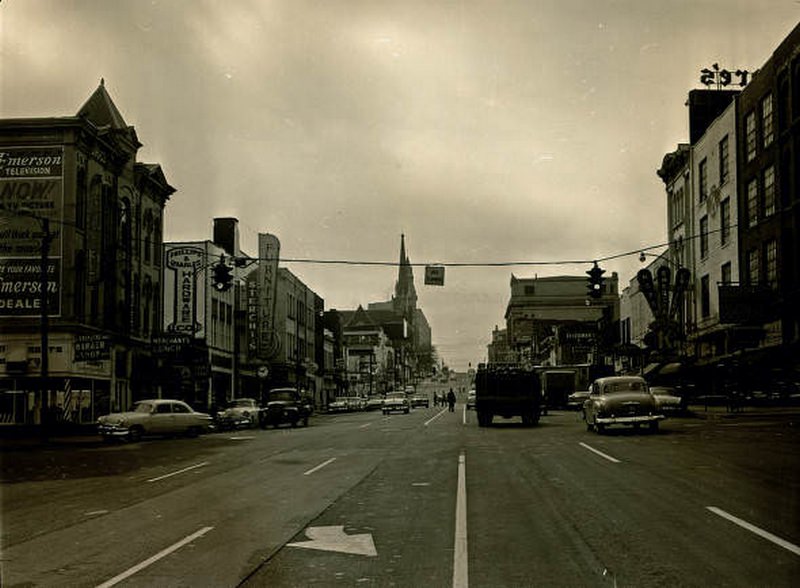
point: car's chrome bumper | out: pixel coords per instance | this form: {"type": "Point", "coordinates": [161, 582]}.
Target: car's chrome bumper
{"type": "Point", "coordinates": [108, 430]}
{"type": "Point", "coordinates": [629, 420]}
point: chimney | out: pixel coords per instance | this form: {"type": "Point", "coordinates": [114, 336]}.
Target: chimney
{"type": "Point", "coordinates": [226, 235]}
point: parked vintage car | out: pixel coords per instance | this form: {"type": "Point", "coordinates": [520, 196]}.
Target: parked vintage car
{"type": "Point", "coordinates": [355, 403]}
{"type": "Point", "coordinates": [576, 399]}
{"type": "Point", "coordinates": [396, 402]}
{"type": "Point", "coordinates": [241, 413]}
{"type": "Point", "coordinates": [285, 406]}
{"type": "Point", "coordinates": [154, 417]}
{"type": "Point", "coordinates": [338, 405]}
{"type": "Point", "coordinates": [471, 400]}
{"type": "Point", "coordinates": [374, 403]}
{"type": "Point", "coordinates": [621, 400]}
{"type": "Point", "coordinates": [667, 399]}
{"type": "Point", "coordinates": [420, 400]}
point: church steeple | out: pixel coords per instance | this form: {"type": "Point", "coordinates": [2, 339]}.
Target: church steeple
{"type": "Point", "coordinates": [405, 294]}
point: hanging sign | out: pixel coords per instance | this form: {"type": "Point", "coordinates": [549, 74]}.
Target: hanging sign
{"type": "Point", "coordinates": [434, 275]}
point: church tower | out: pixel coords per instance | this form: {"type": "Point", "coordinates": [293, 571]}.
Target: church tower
{"type": "Point", "coordinates": [405, 294]}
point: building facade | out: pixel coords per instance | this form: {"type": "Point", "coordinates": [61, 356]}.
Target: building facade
{"type": "Point", "coordinates": [83, 224]}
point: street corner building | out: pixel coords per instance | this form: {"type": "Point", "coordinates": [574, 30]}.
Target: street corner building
{"type": "Point", "coordinates": [80, 265]}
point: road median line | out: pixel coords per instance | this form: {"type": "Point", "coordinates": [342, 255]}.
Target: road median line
{"type": "Point", "coordinates": [600, 453]}
{"type": "Point", "coordinates": [757, 530]}
{"type": "Point", "coordinates": [149, 561]}
{"type": "Point", "coordinates": [198, 465]}
{"type": "Point", "coordinates": [319, 467]}
{"type": "Point", "coordinates": [460, 559]}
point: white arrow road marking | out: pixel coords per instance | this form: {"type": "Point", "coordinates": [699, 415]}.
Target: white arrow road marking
{"type": "Point", "coordinates": [333, 538]}
{"type": "Point", "coordinates": [753, 529]}
{"type": "Point", "coordinates": [161, 554]}
{"type": "Point", "coordinates": [198, 465]}
{"type": "Point", "coordinates": [600, 453]}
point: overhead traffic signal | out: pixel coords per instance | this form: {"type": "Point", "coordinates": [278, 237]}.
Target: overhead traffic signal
{"type": "Point", "coordinates": [596, 280]}
{"type": "Point", "coordinates": [223, 278]}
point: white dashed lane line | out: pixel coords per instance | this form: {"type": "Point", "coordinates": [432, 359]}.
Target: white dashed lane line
{"type": "Point", "coordinates": [600, 453]}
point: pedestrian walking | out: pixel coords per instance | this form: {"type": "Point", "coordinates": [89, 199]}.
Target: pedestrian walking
{"type": "Point", "coordinates": [451, 400]}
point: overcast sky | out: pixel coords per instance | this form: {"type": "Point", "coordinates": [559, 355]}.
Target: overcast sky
{"type": "Point", "coordinates": [486, 131]}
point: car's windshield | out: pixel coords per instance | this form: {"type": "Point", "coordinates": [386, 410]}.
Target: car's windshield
{"type": "Point", "coordinates": [396, 396]}
{"type": "Point", "coordinates": [282, 395]}
{"type": "Point", "coordinates": [624, 386]}
{"type": "Point", "coordinates": [241, 403]}
{"type": "Point", "coordinates": [143, 407]}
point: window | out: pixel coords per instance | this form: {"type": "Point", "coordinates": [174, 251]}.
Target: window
{"type": "Point", "coordinates": [676, 203]}
{"type": "Point", "coordinates": [724, 161]}
{"type": "Point", "coordinates": [725, 272]}
{"type": "Point", "coordinates": [752, 203]}
{"type": "Point", "coordinates": [705, 297]}
{"type": "Point", "coordinates": [704, 236]}
{"type": "Point", "coordinates": [750, 136]}
{"type": "Point", "coordinates": [725, 221]}
{"type": "Point", "coordinates": [752, 267]}
{"type": "Point", "coordinates": [772, 263]}
{"type": "Point", "coordinates": [767, 127]}
{"type": "Point", "coordinates": [703, 179]}
{"type": "Point", "coordinates": [769, 191]}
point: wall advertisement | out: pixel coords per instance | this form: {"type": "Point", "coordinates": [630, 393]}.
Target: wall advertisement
{"type": "Point", "coordinates": [31, 190]}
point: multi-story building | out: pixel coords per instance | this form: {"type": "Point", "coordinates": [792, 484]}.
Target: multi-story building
{"type": "Point", "coordinates": [202, 371]}
{"type": "Point", "coordinates": [768, 128]}
{"type": "Point", "coordinates": [369, 355]}
{"type": "Point", "coordinates": [498, 351]}
{"type": "Point", "coordinates": [551, 320]}
{"type": "Point", "coordinates": [716, 252]}
{"type": "Point", "coordinates": [83, 224]}
{"type": "Point", "coordinates": [296, 310]}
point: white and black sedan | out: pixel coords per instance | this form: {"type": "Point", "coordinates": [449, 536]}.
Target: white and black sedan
{"type": "Point", "coordinates": [396, 402]}
{"type": "Point", "coordinates": [158, 416]}
{"type": "Point", "coordinates": [621, 400]}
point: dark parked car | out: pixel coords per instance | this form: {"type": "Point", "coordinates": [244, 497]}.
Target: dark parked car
{"type": "Point", "coordinates": [285, 406]}
{"type": "Point", "coordinates": [621, 400]}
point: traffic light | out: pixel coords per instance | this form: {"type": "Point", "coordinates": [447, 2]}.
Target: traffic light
{"type": "Point", "coordinates": [223, 279]}
{"type": "Point", "coordinates": [595, 285]}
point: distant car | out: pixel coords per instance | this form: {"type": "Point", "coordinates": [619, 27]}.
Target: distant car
{"type": "Point", "coordinates": [667, 399]}
{"type": "Point", "coordinates": [576, 399]}
{"type": "Point", "coordinates": [338, 405]}
{"type": "Point", "coordinates": [420, 400]}
{"type": "Point", "coordinates": [471, 400]}
{"type": "Point", "coordinates": [355, 403]}
{"type": "Point", "coordinates": [240, 413]}
{"type": "Point", "coordinates": [621, 400]}
{"type": "Point", "coordinates": [396, 402]}
{"type": "Point", "coordinates": [158, 416]}
{"type": "Point", "coordinates": [374, 403]}
{"type": "Point", "coordinates": [285, 406]}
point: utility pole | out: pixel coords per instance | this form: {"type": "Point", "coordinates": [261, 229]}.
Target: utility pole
{"type": "Point", "coordinates": [47, 238]}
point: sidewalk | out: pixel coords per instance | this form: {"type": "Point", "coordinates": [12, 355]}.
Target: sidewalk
{"type": "Point", "coordinates": [28, 437]}
{"type": "Point", "coordinates": [717, 411]}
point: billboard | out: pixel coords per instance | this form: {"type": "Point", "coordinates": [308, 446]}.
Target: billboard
{"type": "Point", "coordinates": [183, 264]}
{"type": "Point", "coordinates": [31, 190]}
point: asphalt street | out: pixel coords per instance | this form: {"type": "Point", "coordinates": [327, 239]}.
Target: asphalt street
{"type": "Point", "coordinates": [425, 499]}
